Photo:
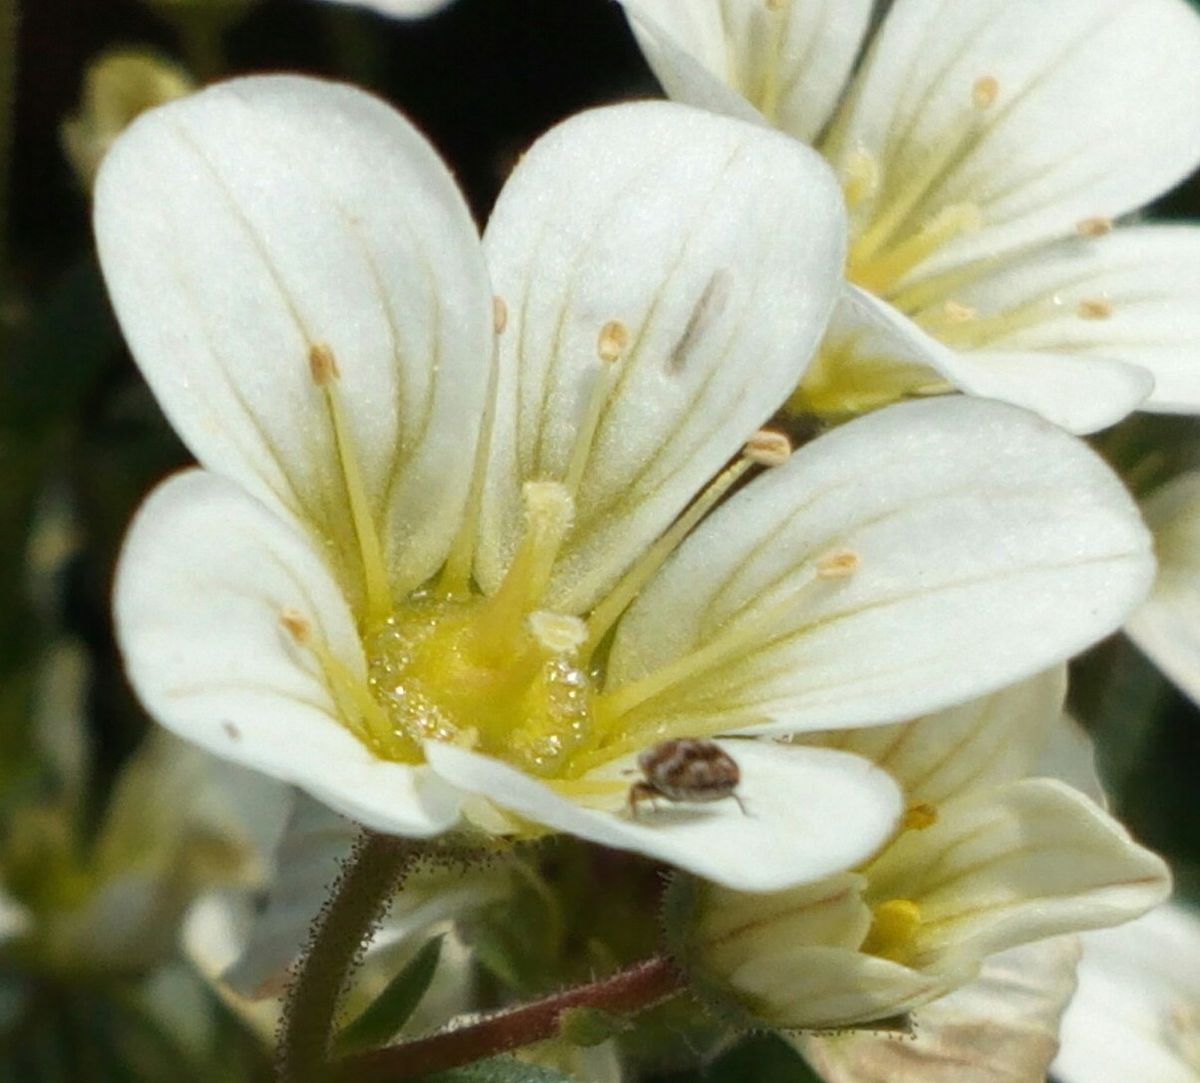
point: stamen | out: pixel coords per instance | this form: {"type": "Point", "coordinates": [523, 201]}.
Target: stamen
{"type": "Point", "coordinates": [549, 510]}
{"type": "Point", "coordinates": [325, 373]}
{"type": "Point", "coordinates": [296, 624]}
{"type": "Point", "coordinates": [896, 924]}
{"type": "Point", "coordinates": [861, 177]}
{"type": "Point", "coordinates": [610, 348]}
{"type": "Point", "coordinates": [985, 92]}
{"type": "Point", "coordinates": [947, 319]}
{"type": "Point", "coordinates": [613, 339]}
{"type": "Point", "coordinates": [455, 580]}
{"type": "Point", "coordinates": [557, 632]}
{"type": "Point", "coordinates": [838, 565]}
{"type": "Point", "coordinates": [323, 365]}
{"type": "Point", "coordinates": [957, 312]}
{"type": "Point", "coordinates": [764, 448]}
{"type": "Point", "coordinates": [1094, 227]}
{"type": "Point", "coordinates": [768, 448]}
{"type": "Point", "coordinates": [1095, 308]}
{"type": "Point", "coordinates": [932, 389]}
{"type": "Point", "coordinates": [733, 641]}
{"type": "Point", "coordinates": [919, 817]}
{"type": "Point", "coordinates": [769, 91]}
{"type": "Point", "coordinates": [950, 222]}
{"type": "Point", "coordinates": [358, 709]}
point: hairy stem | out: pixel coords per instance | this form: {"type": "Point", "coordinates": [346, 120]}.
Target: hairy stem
{"type": "Point", "coordinates": [356, 903]}
{"type": "Point", "coordinates": [633, 989]}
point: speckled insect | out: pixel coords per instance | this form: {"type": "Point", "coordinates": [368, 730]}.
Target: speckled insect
{"type": "Point", "coordinates": [685, 769]}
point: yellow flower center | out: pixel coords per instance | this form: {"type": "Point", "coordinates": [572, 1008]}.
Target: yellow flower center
{"type": "Point", "coordinates": [500, 673]}
{"type": "Point", "coordinates": [490, 673]}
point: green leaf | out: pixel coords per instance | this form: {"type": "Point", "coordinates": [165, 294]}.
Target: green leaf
{"type": "Point", "coordinates": [500, 1070]}
{"type": "Point", "coordinates": [590, 1026]}
{"type": "Point", "coordinates": [389, 1011]}
{"type": "Point", "coordinates": [763, 1058]}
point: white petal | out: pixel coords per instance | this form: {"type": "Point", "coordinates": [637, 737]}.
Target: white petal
{"type": "Point", "coordinates": [204, 578]}
{"type": "Point", "coordinates": [1094, 113]}
{"type": "Point", "coordinates": [1000, 1028]}
{"type": "Point", "coordinates": [1134, 1015]}
{"type": "Point", "coordinates": [884, 355]}
{"type": "Point", "coordinates": [1015, 864]}
{"type": "Point", "coordinates": [1167, 626]}
{"type": "Point", "coordinates": [996, 738]}
{"type": "Point", "coordinates": [788, 61]}
{"type": "Point", "coordinates": [977, 528]}
{"type": "Point", "coordinates": [826, 988]}
{"type": "Point", "coordinates": [808, 814]}
{"type": "Point", "coordinates": [214, 933]}
{"type": "Point", "coordinates": [1082, 394]}
{"type": "Point", "coordinates": [242, 225]}
{"type": "Point", "coordinates": [308, 860]}
{"type": "Point", "coordinates": [1131, 296]}
{"type": "Point", "coordinates": [718, 247]}
{"type": "Point", "coordinates": [400, 9]}
{"type": "Point", "coordinates": [1070, 757]}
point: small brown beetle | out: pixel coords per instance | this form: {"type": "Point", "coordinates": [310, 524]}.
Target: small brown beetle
{"type": "Point", "coordinates": [685, 769]}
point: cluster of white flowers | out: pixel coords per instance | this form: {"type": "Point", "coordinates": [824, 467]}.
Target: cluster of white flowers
{"type": "Point", "coordinates": [478, 525]}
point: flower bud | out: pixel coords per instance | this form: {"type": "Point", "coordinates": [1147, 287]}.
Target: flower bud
{"type": "Point", "coordinates": [989, 870]}
{"type": "Point", "coordinates": [117, 88]}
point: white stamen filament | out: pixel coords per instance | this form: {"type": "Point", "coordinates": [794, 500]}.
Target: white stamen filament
{"type": "Point", "coordinates": [357, 708]}
{"type": "Point", "coordinates": [737, 638]}
{"type": "Point", "coordinates": [642, 571]}
{"type": "Point", "coordinates": [325, 374]}
{"type": "Point", "coordinates": [611, 345]}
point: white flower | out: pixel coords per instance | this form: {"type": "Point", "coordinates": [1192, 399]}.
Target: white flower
{"type": "Point", "coordinates": [988, 859]}
{"type": "Point", "coordinates": [1136, 1012]}
{"type": "Point", "coordinates": [359, 595]}
{"type": "Point", "coordinates": [985, 148]}
{"type": "Point", "coordinates": [1167, 626]}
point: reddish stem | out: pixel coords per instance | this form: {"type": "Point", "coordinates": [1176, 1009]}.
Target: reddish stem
{"type": "Point", "coordinates": [631, 990]}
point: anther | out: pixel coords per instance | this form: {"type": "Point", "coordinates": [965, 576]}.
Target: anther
{"type": "Point", "coordinates": [985, 92]}
{"type": "Point", "coordinates": [920, 816]}
{"type": "Point", "coordinates": [1095, 308]}
{"type": "Point", "coordinates": [322, 364]}
{"type": "Point", "coordinates": [1094, 227]}
{"type": "Point", "coordinates": [768, 448]}
{"type": "Point", "coordinates": [499, 315]}
{"type": "Point", "coordinates": [895, 926]}
{"type": "Point", "coordinates": [839, 564]}
{"type": "Point", "coordinates": [861, 172]}
{"type": "Point", "coordinates": [557, 632]}
{"type": "Point", "coordinates": [775, 5]}
{"type": "Point", "coordinates": [296, 624]}
{"type": "Point", "coordinates": [614, 337]}
{"type": "Point", "coordinates": [957, 312]}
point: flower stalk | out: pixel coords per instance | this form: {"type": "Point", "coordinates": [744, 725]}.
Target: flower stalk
{"type": "Point", "coordinates": [643, 985]}
{"type": "Point", "coordinates": [357, 901]}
